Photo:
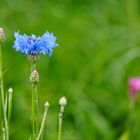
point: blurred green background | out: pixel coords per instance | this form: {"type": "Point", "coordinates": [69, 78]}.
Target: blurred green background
{"type": "Point", "coordinates": [99, 49]}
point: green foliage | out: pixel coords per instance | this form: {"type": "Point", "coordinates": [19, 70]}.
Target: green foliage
{"type": "Point", "coordinates": [99, 50]}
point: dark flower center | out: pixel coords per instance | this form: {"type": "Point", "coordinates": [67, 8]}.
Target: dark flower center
{"type": "Point", "coordinates": [31, 40]}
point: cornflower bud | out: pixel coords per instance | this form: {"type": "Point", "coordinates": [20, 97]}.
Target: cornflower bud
{"type": "Point", "coordinates": [10, 90]}
{"type": "Point", "coordinates": [63, 101]}
{"type": "Point", "coordinates": [47, 104]}
{"type": "Point", "coordinates": [34, 78]}
{"type": "Point", "coordinates": [32, 57]}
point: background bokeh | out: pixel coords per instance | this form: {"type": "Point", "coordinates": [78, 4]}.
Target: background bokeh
{"type": "Point", "coordinates": [99, 49]}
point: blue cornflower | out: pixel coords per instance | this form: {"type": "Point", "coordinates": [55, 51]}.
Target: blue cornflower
{"type": "Point", "coordinates": [32, 45]}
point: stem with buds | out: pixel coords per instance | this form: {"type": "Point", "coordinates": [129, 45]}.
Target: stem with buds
{"type": "Point", "coordinates": [62, 104]}
{"type": "Point", "coordinates": [34, 80]}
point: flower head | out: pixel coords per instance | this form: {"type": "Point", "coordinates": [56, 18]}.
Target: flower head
{"type": "Point", "coordinates": [133, 87]}
{"type": "Point", "coordinates": [32, 45]}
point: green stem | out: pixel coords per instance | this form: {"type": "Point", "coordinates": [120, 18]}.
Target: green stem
{"type": "Point", "coordinates": [43, 123]}
{"type": "Point", "coordinates": [34, 106]}
{"type": "Point", "coordinates": [61, 114]}
{"type": "Point", "coordinates": [130, 118]}
{"type": "Point", "coordinates": [9, 106]}
{"type": "Point", "coordinates": [2, 100]}
{"type": "Point", "coordinates": [3, 135]}
{"type": "Point", "coordinates": [33, 66]}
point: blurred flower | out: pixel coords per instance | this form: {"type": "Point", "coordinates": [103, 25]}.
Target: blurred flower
{"type": "Point", "coordinates": [133, 87]}
{"type": "Point", "coordinates": [2, 35]}
{"type": "Point", "coordinates": [32, 45]}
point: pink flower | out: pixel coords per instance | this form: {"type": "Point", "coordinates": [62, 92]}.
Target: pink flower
{"type": "Point", "coordinates": [133, 87]}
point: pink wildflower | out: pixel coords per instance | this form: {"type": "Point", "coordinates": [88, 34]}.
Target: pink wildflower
{"type": "Point", "coordinates": [133, 87]}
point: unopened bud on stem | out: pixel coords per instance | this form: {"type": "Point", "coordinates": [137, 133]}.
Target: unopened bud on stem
{"type": "Point", "coordinates": [62, 104]}
{"type": "Point", "coordinates": [47, 104]}
{"type": "Point", "coordinates": [34, 78]}
{"type": "Point", "coordinates": [10, 90]}
{"type": "Point", "coordinates": [63, 101]}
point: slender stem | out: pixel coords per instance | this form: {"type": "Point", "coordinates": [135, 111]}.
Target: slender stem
{"type": "Point", "coordinates": [61, 114]}
{"type": "Point", "coordinates": [130, 118]}
{"type": "Point", "coordinates": [3, 135]}
{"type": "Point", "coordinates": [33, 66]}
{"type": "Point", "coordinates": [43, 123]}
{"type": "Point", "coordinates": [9, 106]}
{"type": "Point", "coordinates": [5, 103]}
{"type": "Point", "coordinates": [2, 99]}
{"type": "Point", "coordinates": [34, 107]}
{"type": "Point", "coordinates": [59, 128]}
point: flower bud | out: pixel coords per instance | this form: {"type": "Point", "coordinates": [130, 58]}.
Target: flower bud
{"type": "Point", "coordinates": [32, 57]}
{"type": "Point", "coordinates": [10, 90]}
{"type": "Point", "coordinates": [2, 35]}
{"type": "Point", "coordinates": [63, 101]}
{"type": "Point", "coordinates": [47, 104]}
{"type": "Point", "coordinates": [34, 78]}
